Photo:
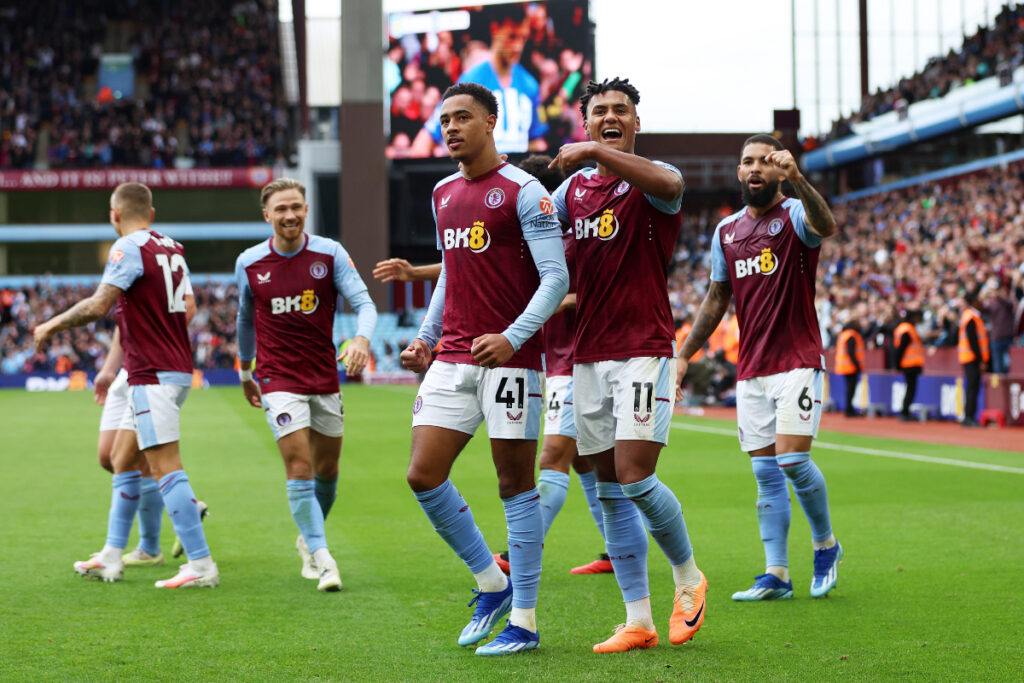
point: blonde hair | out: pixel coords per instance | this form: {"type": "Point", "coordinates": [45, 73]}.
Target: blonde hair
{"type": "Point", "coordinates": [278, 185]}
{"type": "Point", "coordinates": [134, 201]}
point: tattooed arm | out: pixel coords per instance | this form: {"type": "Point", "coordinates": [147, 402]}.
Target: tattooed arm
{"type": "Point", "coordinates": [715, 304]}
{"type": "Point", "coordinates": [82, 313]}
{"type": "Point", "coordinates": [817, 214]}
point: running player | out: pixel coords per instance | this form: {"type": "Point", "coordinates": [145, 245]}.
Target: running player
{"type": "Point", "coordinates": [765, 256]}
{"type": "Point", "coordinates": [490, 300]}
{"type": "Point", "coordinates": [288, 288]}
{"type": "Point", "coordinates": [146, 273]}
{"type": "Point", "coordinates": [626, 217]}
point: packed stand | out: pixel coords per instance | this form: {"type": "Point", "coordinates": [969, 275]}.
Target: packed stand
{"type": "Point", "coordinates": [980, 57]}
{"type": "Point", "coordinates": [926, 246]}
{"type": "Point", "coordinates": [208, 85]}
{"type": "Point", "coordinates": [85, 348]}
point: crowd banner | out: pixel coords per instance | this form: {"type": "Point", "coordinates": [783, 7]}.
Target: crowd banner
{"type": "Point", "coordinates": [155, 178]}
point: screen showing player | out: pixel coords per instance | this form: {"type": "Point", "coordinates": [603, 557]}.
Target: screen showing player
{"type": "Point", "coordinates": [535, 56]}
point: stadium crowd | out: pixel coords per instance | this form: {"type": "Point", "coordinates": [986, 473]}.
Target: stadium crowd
{"type": "Point", "coordinates": [207, 85]}
{"type": "Point", "coordinates": [85, 348]}
{"type": "Point", "coordinates": [980, 56]}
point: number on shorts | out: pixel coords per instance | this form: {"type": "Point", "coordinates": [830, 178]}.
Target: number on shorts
{"type": "Point", "coordinates": [637, 387]}
{"type": "Point", "coordinates": [804, 402]}
{"type": "Point", "coordinates": [554, 404]}
{"type": "Point", "coordinates": [175, 295]}
{"type": "Point", "coordinates": [505, 397]}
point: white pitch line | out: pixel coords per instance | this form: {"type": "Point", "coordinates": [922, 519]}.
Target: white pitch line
{"type": "Point", "coordinates": [871, 451]}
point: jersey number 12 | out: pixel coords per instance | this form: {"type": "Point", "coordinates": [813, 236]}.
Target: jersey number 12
{"type": "Point", "coordinates": [175, 295]}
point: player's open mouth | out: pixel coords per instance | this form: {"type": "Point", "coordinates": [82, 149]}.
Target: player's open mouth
{"type": "Point", "coordinates": [454, 142]}
{"type": "Point", "coordinates": [611, 134]}
{"type": "Point", "coordinates": [755, 183]}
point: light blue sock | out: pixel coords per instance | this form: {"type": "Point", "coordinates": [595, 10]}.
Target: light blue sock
{"type": "Point", "coordinates": [553, 487]}
{"type": "Point", "coordinates": [326, 491]}
{"type": "Point", "coordinates": [183, 510]}
{"type": "Point", "coordinates": [306, 513]}
{"type": "Point", "coordinates": [809, 486]}
{"type": "Point", "coordinates": [626, 541]}
{"type": "Point", "coordinates": [773, 510]}
{"type": "Point", "coordinates": [588, 480]}
{"type": "Point", "coordinates": [151, 514]}
{"type": "Point", "coordinates": [453, 520]}
{"type": "Point", "coordinates": [664, 516]}
{"type": "Point", "coordinates": [526, 527]}
{"type": "Point", "coordinates": [124, 501]}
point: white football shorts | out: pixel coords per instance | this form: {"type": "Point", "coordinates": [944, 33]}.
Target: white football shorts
{"type": "Point", "coordinates": [287, 412]}
{"type": "Point", "coordinates": [117, 414]}
{"type": "Point", "coordinates": [559, 419]}
{"type": "Point", "coordinates": [155, 410]}
{"type": "Point", "coordinates": [622, 400]}
{"type": "Point", "coordinates": [460, 396]}
{"type": "Point", "coordinates": [783, 403]}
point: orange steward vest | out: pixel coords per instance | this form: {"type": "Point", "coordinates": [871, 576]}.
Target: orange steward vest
{"type": "Point", "coordinates": [844, 364]}
{"type": "Point", "coordinates": [913, 357]}
{"type": "Point", "coordinates": [965, 353]}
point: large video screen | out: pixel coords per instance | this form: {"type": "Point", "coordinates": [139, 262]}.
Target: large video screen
{"type": "Point", "coordinates": [535, 56]}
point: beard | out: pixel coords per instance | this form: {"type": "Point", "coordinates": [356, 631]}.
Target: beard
{"type": "Point", "coordinates": [762, 197]}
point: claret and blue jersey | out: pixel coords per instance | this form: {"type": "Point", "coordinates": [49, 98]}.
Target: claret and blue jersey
{"type": "Point", "coordinates": [771, 262]}
{"type": "Point", "coordinates": [286, 313]}
{"type": "Point", "coordinates": [488, 229]}
{"type": "Point", "coordinates": [150, 270]}
{"type": "Point", "coordinates": [624, 244]}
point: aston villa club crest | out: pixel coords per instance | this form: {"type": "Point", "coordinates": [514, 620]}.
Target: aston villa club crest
{"type": "Point", "coordinates": [283, 420]}
{"type": "Point", "coordinates": [495, 198]}
{"type": "Point", "coordinates": [775, 227]}
{"type": "Point", "coordinates": [417, 405]}
{"type": "Point", "coordinates": [318, 270]}
{"type": "Point", "coordinates": [623, 188]}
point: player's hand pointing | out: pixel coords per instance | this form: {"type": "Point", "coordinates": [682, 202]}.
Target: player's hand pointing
{"type": "Point", "coordinates": [784, 161]}
{"type": "Point", "coordinates": [573, 155]}
{"type": "Point", "coordinates": [491, 350]}
{"type": "Point", "coordinates": [416, 356]}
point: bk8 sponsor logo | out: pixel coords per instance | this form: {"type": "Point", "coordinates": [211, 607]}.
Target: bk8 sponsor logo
{"type": "Point", "coordinates": [307, 302]}
{"type": "Point", "coordinates": [765, 263]}
{"type": "Point", "coordinates": [603, 227]}
{"type": "Point", "coordinates": [476, 238]}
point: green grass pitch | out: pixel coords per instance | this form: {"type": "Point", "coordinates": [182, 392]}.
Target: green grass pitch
{"type": "Point", "coordinates": [930, 588]}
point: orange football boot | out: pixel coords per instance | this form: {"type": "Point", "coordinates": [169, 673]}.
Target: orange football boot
{"type": "Point", "coordinates": [601, 565]}
{"type": "Point", "coordinates": [502, 561]}
{"type": "Point", "coordinates": [688, 611]}
{"type": "Point", "coordinates": [628, 638]}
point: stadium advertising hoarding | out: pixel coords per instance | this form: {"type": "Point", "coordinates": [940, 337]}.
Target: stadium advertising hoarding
{"type": "Point", "coordinates": [108, 178]}
{"type": "Point", "coordinates": [535, 56]}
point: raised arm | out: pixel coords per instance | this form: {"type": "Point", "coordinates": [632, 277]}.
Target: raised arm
{"type": "Point", "coordinates": [818, 216]}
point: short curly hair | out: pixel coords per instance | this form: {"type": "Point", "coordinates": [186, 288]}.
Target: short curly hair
{"type": "Point", "coordinates": [594, 88]}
